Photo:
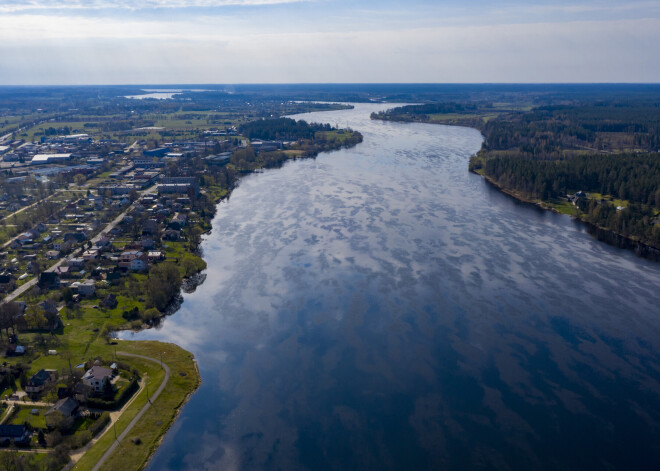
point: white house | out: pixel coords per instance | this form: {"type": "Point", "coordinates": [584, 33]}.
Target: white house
{"type": "Point", "coordinates": [96, 377]}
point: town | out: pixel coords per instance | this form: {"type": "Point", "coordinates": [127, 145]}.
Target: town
{"type": "Point", "coordinates": [100, 224]}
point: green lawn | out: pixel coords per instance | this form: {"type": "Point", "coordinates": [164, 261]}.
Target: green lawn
{"type": "Point", "coordinates": [24, 415]}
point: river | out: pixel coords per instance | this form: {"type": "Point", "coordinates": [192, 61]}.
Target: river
{"type": "Point", "coordinates": [382, 308]}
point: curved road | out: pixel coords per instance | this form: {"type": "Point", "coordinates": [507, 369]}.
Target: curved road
{"type": "Point", "coordinates": [128, 428]}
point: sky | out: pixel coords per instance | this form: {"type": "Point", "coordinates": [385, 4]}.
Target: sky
{"type": "Point", "coordinates": [328, 41]}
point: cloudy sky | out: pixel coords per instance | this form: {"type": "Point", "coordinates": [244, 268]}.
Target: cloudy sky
{"type": "Point", "coordinates": [297, 41]}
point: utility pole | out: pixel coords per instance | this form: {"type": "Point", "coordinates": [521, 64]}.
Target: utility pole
{"type": "Point", "coordinates": [147, 385]}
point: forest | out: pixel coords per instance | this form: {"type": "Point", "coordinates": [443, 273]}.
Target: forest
{"type": "Point", "coordinates": [556, 132]}
{"type": "Point", "coordinates": [607, 148]}
{"type": "Point", "coordinates": [281, 129]}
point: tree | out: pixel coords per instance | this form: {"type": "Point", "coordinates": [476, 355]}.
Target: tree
{"type": "Point", "coordinates": [67, 295]}
{"type": "Point", "coordinates": [35, 317]}
{"type": "Point", "coordinates": [149, 315]}
{"type": "Point", "coordinates": [108, 391]}
{"type": "Point", "coordinates": [162, 285]}
{"type": "Point", "coordinates": [8, 314]}
{"type": "Point", "coordinates": [35, 267]}
{"type": "Point", "coordinates": [79, 178]}
{"type": "Point", "coordinates": [192, 265]}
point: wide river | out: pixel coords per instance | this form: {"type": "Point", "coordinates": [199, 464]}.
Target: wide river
{"type": "Point", "coordinates": [380, 308]}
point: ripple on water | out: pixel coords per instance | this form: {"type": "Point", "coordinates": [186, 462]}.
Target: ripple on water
{"type": "Point", "coordinates": [382, 308]}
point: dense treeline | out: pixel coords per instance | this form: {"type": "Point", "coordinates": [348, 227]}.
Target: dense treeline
{"type": "Point", "coordinates": [248, 159]}
{"type": "Point", "coordinates": [635, 178]}
{"type": "Point", "coordinates": [632, 177]}
{"type": "Point", "coordinates": [607, 147]}
{"type": "Point", "coordinates": [636, 221]}
{"type": "Point", "coordinates": [281, 129]}
{"type": "Point", "coordinates": [549, 131]}
{"type": "Point", "coordinates": [422, 112]}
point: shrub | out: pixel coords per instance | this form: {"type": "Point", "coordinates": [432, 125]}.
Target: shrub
{"type": "Point", "coordinates": [99, 424]}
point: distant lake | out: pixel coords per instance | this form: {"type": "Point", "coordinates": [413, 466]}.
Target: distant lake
{"type": "Point", "coordinates": [380, 308]}
{"type": "Point", "coordinates": [161, 94]}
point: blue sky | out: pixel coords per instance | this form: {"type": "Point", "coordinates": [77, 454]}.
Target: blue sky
{"type": "Point", "coordinates": [296, 41]}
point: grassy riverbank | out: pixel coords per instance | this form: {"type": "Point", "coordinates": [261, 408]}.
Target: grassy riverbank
{"type": "Point", "coordinates": [134, 451]}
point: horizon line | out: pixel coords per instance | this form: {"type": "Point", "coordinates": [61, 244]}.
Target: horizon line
{"type": "Point", "coordinates": [215, 84]}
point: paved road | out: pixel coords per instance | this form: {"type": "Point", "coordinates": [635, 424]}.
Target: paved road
{"type": "Point", "coordinates": [126, 431]}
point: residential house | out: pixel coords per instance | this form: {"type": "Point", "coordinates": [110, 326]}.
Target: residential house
{"type": "Point", "coordinates": [25, 238]}
{"type": "Point", "coordinates": [178, 221]}
{"type": "Point", "coordinates": [81, 392]}
{"type": "Point", "coordinates": [49, 306]}
{"type": "Point", "coordinates": [103, 244]}
{"type": "Point", "coordinates": [63, 246]}
{"type": "Point", "coordinates": [38, 381]}
{"type": "Point", "coordinates": [96, 377]}
{"type": "Point", "coordinates": [140, 263]}
{"type": "Point", "coordinates": [76, 263]}
{"type": "Point", "coordinates": [15, 350]}
{"type": "Point", "coordinates": [87, 288]}
{"type": "Point", "coordinates": [18, 434]}
{"type": "Point", "coordinates": [129, 255]}
{"type": "Point", "coordinates": [155, 255]}
{"type": "Point", "coordinates": [63, 413]}
{"type": "Point", "coordinates": [148, 243]}
{"type": "Point", "coordinates": [63, 271]}
{"type": "Point", "coordinates": [172, 235]}
{"type": "Point", "coordinates": [53, 254]}
{"type": "Point", "coordinates": [91, 254]}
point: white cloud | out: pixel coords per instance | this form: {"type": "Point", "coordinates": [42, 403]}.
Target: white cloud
{"type": "Point", "coordinates": [10, 6]}
{"type": "Point", "coordinates": [590, 7]}
{"type": "Point", "coordinates": [214, 50]}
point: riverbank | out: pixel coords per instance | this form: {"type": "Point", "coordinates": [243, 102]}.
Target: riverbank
{"type": "Point", "coordinates": [601, 233]}
{"type": "Point", "coordinates": [146, 421]}
{"type": "Point", "coordinates": [604, 234]}
{"type": "Point", "coordinates": [122, 297]}
{"type": "Point", "coordinates": [151, 420]}
{"type": "Point", "coordinates": [322, 273]}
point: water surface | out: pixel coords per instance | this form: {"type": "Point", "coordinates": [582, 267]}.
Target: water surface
{"type": "Point", "coordinates": [382, 308]}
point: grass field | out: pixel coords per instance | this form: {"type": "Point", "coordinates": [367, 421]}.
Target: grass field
{"type": "Point", "coordinates": [25, 415]}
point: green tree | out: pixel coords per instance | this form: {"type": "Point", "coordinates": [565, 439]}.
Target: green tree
{"type": "Point", "coordinates": [162, 285]}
